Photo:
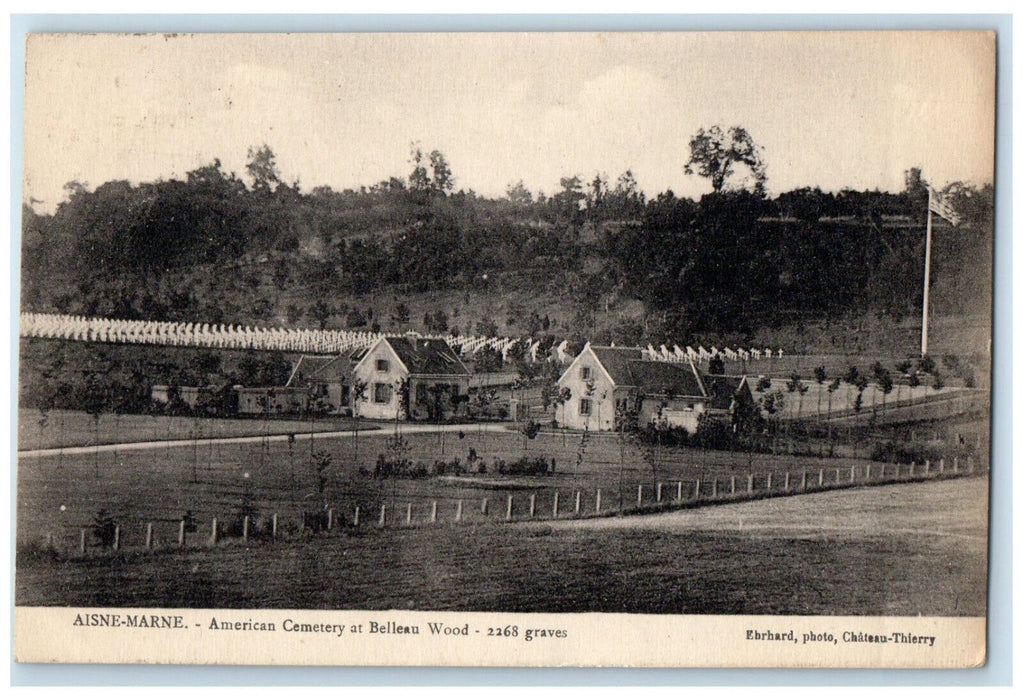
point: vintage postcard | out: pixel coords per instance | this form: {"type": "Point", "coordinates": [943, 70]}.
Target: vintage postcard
{"type": "Point", "coordinates": [594, 349]}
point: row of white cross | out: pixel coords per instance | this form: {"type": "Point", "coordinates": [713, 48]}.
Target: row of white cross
{"type": "Point", "coordinates": [677, 354]}
{"type": "Point", "coordinates": [104, 330]}
{"type": "Point", "coordinates": [207, 335]}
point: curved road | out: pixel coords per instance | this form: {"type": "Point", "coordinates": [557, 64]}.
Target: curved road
{"type": "Point", "coordinates": [163, 444]}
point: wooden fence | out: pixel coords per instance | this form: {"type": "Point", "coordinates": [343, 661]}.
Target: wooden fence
{"type": "Point", "coordinates": [504, 507]}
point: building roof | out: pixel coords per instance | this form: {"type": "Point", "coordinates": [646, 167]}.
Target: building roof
{"type": "Point", "coordinates": [323, 369]}
{"type": "Point", "coordinates": [664, 378]}
{"type": "Point", "coordinates": [628, 367]}
{"type": "Point", "coordinates": [427, 355]}
{"type": "Point", "coordinates": [319, 369]}
{"type": "Point", "coordinates": [616, 361]}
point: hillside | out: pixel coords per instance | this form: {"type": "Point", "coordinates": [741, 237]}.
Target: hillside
{"type": "Point", "coordinates": [807, 271]}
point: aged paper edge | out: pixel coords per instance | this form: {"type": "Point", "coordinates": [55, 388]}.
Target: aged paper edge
{"type": "Point", "coordinates": [407, 638]}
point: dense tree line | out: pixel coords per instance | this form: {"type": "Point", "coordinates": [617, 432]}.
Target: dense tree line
{"type": "Point", "coordinates": [219, 248]}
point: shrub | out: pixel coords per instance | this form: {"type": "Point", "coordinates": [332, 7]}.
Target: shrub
{"type": "Point", "coordinates": [314, 521]}
{"type": "Point", "coordinates": [104, 528]}
{"type": "Point", "coordinates": [537, 466]}
{"type": "Point", "coordinates": [258, 528]}
{"type": "Point", "coordinates": [919, 452]}
{"type": "Point", "coordinates": [399, 469]}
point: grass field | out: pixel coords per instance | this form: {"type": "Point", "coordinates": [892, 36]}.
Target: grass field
{"type": "Point", "coordinates": [907, 549]}
{"type": "Point", "coordinates": [60, 493]}
{"type": "Point", "coordinates": [814, 404]}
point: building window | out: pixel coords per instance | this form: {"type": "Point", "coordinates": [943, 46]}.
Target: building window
{"type": "Point", "coordinates": [382, 365]}
{"type": "Point", "coordinates": [381, 393]}
{"type": "Point", "coordinates": [585, 372]}
{"type": "Point", "coordinates": [585, 407]}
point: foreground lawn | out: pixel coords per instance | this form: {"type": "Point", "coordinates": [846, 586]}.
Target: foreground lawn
{"type": "Point", "coordinates": [906, 549]}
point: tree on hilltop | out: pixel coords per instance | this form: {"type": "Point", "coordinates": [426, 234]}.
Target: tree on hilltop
{"type": "Point", "coordinates": [714, 153]}
{"type": "Point", "coordinates": [262, 168]}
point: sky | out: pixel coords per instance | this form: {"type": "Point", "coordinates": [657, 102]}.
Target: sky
{"type": "Point", "coordinates": [829, 109]}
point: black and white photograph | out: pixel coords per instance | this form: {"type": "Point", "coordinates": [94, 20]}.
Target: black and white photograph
{"type": "Point", "coordinates": [435, 348]}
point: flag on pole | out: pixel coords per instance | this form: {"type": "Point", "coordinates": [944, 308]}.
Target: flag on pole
{"type": "Point", "coordinates": [942, 208]}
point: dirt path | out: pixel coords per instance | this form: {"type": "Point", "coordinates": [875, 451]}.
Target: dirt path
{"type": "Point", "coordinates": [250, 439]}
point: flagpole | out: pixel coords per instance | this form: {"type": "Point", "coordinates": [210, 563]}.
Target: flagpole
{"type": "Point", "coordinates": [927, 276]}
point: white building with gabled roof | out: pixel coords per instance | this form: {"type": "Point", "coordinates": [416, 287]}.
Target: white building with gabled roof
{"type": "Point", "coordinates": [606, 381]}
{"type": "Point", "coordinates": [435, 380]}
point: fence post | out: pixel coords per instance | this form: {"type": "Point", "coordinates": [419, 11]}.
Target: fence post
{"type": "Point", "coordinates": [696, 491]}
{"type": "Point", "coordinates": [639, 496]}
{"type": "Point", "coordinates": [508, 515]}
{"type": "Point", "coordinates": [852, 474]}
{"type": "Point", "coordinates": [596, 507]}
{"type": "Point", "coordinates": [733, 484]}
{"type": "Point", "coordinates": [273, 526]}
{"type": "Point", "coordinates": [866, 475]}
{"type": "Point", "coordinates": [483, 507]}
{"type": "Point", "coordinates": [408, 514]}
{"type": "Point", "coordinates": [955, 464]}
{"type": "Point", "coordinates": [941, 464]}
{"type": "Point", "coordinates": [749, 484]}
{"type": "Point", "coordinates": [679, 499]}
{"type": "Point", "coordinates": [969, 464]}
{"type": "Point", "coordinates": [769, 475]}
{"type": "Point", "coordinates": [658, 491]}
{"type": "Point", "coordinates": [802, 482]}
{"type": "Point", "coordinates": [532, 505]}
{"type": "Point", "coordinates": [81, 542]}
{"type": "Point", "coordinates": [330, 519]}
{"type": "Point", "coordinates": [838, 476]}
{"type": "Point", "coordinates": [355, 519]}
{"type": "Point", "coordinates": [117, 537]}
{"type": "Point", "coordinates": [181, 533]}
{"type": "Point", "coordinates": [787, 481]}
{"type": "Point", "coordinates": [245, 527]}
{"type": "Point", "coordinates": [149, 535]}
{"type": "Point", "coordinates": [912, 469]}
{"type": "Point", "coordinates": [213, 532]}
{"type": "Point", "coordinates": [433, 512]}
{"type": "Point", "coordinates": [820, 478]}
{"type": "Point", "coordinates": [555, 509]}
{"type": "Point", "coordinates": [927, 466]}
{"type": "Point", "coordinates": [578, 501]}
{"type": "Point", "coordinates": [383, 514]}
{"type": "Point", "coordinates": [458, 511]}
